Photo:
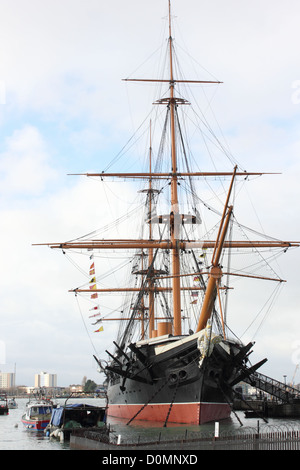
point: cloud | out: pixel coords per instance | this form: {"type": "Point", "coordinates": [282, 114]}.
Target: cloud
{"type": "Point", "coordinates": [40, 321]}
{"type": "Point", "coordinates": [24, 165]}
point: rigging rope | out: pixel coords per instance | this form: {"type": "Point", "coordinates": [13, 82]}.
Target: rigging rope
{"type": "Point", "coordinates": [138, 301]}
{"type": "Point", "coordinates": [271, 301]}
{"type": "Point", "coordinates": [93, 346]}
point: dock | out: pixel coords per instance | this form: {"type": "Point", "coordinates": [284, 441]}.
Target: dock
{"type": "Point", "coordinates": [268, 409]}
{"type": "Point", "coordinates": [283, 400]}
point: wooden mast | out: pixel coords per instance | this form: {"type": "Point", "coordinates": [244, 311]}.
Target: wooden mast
{"type": "Point", "coordinates": [174, 199]}
{"type": "Point", "coordinates": [214, 276]}
{"type": "Point", "coordinates": [150, 251]}
{"type": "Point", "coordinates": [216, 272]}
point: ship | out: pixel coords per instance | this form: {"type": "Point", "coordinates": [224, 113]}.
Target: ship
{"type": "Point", "coordinates": [175, 358]}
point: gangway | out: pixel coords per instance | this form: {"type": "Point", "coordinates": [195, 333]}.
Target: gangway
{"type": "Point", "coordinates": [281, 391]}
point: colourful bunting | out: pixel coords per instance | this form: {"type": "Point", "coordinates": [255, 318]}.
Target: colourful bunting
{"type": "Point", "coordinates": [100, 329]}
{"type": "Point", "coordinates": [95, 315]}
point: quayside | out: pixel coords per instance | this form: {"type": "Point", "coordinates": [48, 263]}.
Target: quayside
{"type": "Point", "coordinates": [175, 357]}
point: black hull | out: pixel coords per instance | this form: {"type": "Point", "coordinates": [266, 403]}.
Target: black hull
{"type": "Point", "coordinates": [178, 384]}
{"type": "Point", "coordinates": [194, 402]}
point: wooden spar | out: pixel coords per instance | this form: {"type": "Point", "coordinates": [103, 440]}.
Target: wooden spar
{"type": "Point", "coordinates": [216, 273]}
{"type": "Point", "coordinates": [155, 80]}
{"type": "Point", "coordinates": [136, 318]}
{"type": "Point", "coordinates": [174, 198]}
{"type": "Point", "coordinates": [251, 276]}
{"type": "Point", "coordinates": [170, 175]}
{"type": "Point", "coordinates": [166, 245]}
{"type": "Point", "coordinates": [137, 289]}
{"type": "Point", "coordinates": [223, 216]}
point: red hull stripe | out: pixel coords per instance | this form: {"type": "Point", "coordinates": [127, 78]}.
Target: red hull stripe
{"type": "Point", "coordinates": [185, 413]}
{"type": "Point", "coordinates": [32, 424]}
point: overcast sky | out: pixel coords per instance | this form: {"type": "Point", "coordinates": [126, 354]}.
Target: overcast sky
{"type": "Point", "coordinates": [64, 109]}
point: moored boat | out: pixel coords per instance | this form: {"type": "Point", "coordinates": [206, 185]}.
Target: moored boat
{"type": "Point", "coordinates": [37, 414]}
{"type": "Point", "coordinates": [66, 418]}
{"type": "Point", "coordinates": [4, 410]}
{"type": "Point", "coordinates": [12, 404]}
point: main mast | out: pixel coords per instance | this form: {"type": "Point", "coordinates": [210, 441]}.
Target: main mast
{"type": "Point", "coordinates": [174, 198]}
{"type": "Point", "coordinates": [150, 251]}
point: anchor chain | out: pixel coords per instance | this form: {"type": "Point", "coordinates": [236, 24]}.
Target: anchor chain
{"type": "Point", "coordinates": [171, 404]}
{"type": "Point", "coordinates": [144, 406]}
{"type": "Point", "coordinates": [251, 407]}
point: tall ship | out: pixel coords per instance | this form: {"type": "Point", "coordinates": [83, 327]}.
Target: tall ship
{"type": "Point", "coordinates": [176, 357]}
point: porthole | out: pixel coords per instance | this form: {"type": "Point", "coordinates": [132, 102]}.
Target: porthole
{"type": "Point", "coordinates": [173, 378]}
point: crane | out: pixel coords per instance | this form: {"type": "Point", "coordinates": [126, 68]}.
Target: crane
{"type": "Point", "coordinates": [293, 379]}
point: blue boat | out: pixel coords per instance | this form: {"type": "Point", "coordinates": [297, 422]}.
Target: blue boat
{"type": "Point", "coordinates": [66, 418]}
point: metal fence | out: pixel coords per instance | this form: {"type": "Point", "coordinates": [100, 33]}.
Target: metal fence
{"type": "Point", "coordinates": [267, 437]}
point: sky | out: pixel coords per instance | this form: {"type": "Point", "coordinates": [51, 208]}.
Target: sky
{"type": "Point", "coordinates": [65, 109]}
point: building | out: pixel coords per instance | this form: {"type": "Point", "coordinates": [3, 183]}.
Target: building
{"type": "Point", "coordinates": [7, 380]}
{"type": "Point", "coordinates": [45, 380]}
{"type": "Point", "coordinates": [76, 388]}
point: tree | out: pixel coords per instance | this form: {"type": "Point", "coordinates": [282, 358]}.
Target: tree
{"type": "Point", "coordinates": [90, 386]}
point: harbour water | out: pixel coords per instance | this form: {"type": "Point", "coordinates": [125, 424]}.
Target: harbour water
{"type": "Point", "coordinates": [13, 435]}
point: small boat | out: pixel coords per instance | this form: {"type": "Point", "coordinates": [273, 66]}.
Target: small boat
{"type": "Point", "coordinates": [37, 414]}
{"type": "Point", "coordinates": [3, 404]}
{"type": "Point", "coordinates": [12, 404]}
{"type": "Point", "coordinates": [66, 418]}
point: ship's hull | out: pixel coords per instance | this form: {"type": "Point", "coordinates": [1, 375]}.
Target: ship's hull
{"type": "Point", "coordinates": [176, 383]}
{"type": "Point", "coordinates": [35, 425]}
{"type": "Point", "coordinates": [181, 413]}
{"type": "Point", "coordinates": [184, 410]}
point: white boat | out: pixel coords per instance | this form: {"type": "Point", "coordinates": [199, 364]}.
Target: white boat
{"type": "Point", "coordinates": [12, 404]}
